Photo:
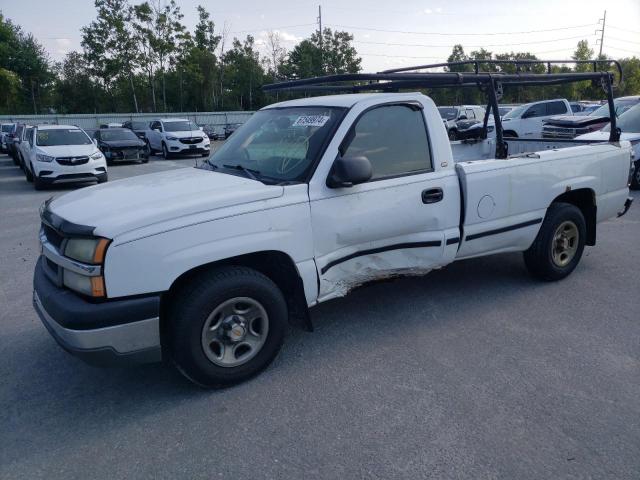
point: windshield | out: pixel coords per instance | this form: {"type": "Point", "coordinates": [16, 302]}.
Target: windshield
{"type": "Point", "coordinates": [516, 112]}
{"type": "Point", "coordinates": [7, 128]}
{"type": "Point", "coordinates": [448, 113]}
{"type": "Point", "coordinates": [629, 121]}
{"type": "Point", "coordinates": [180, 126]}
{"type": "Point", "coordinates": [55, 137]}
{"type": "Point", "coordinates": [117, 134]}
{"type": "Point", "coordinates": [504, 110]}
{"type": "Point", "coordinates": [620, 105]}
{"type": "Point", "coordinates": [139, 125]}
{"type": "Point", "coordinates": [279, 143]}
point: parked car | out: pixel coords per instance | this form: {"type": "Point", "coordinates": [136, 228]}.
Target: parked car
{"type": "Point", "coordinates": [13, 140]}
{"type": "Point", "coordinates": [525, 121]}
{"type": "Point", "coordinates": [230, 128]}
{"type": "Point", "coordinates": [214, 132]}
{"type": "Point", "coordinates": [460, 117]}
{"type": "Point", "coordinates": [629, 125]}
{"type": "Point", "coordinates": [63, 154]}
{"type": "Point", "coordinates": [6, 132]}
{"type": "Point", "coordinates": [23, 146]}
{"type": "Point", "coordinates": [571, 126]}
{"type": "Point", "coordinates": [121, 144]}
{"type": "Point", "coordinates": [173, 136]}
{"type": "Point", "coordinates": [138, 127]}
{"type": "Point", "coordinates": [293, 211]}
{"type": "Point", "coordinates": [588, 109]}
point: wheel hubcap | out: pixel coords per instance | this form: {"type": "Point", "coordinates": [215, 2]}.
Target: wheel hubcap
{"type": "Point", "coordinates": [235, 331]}
{"type": "Point", "coordinates": [565, 243]}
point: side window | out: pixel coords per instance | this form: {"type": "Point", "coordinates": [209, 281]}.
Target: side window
{"type": "Point", "coordinates": [394, 139]}
{"type": "Point", "coordinates": [155, 125]}
{"type": "Point", "coordinates": [470, 115]}
{"type": "Point", "coordinates": [538, 110]}
{"type": "Point", "coordinates": [556, 108]}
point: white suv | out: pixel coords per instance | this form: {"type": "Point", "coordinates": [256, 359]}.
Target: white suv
{"type": "Point", "coordinates": [177, 135]}
{"type": "Point", "coordinates": [526, 120]}
{"type": "Point", "coordinates": [63, 154]}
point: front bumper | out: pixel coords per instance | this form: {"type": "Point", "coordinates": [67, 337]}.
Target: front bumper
{"type": "Point", "coordinates": [627, 206]}
{"type": "Point", "coordinates": [117, 332]}
{"type": "Point", "coordinates": [176, 146]}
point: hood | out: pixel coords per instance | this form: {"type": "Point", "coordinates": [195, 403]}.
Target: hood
{"type": "Point", "coordinates": [124, 205]}
{"type": "Point", "coordinates": [68, 150]}
{"type": "Point", "coordinates": [465, 124]}
{"type": "Point", "coordinates": [187, 134]}
{"type": "Point", "coordinates": [122, 143]}
{"type": "Point", "coordinates": [575, 120]}
{"type": "Point", "coordinates": [604, 136]}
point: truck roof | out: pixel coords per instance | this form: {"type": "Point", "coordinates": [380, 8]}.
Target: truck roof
{"type": "Point", "coordinates": [344, 100]}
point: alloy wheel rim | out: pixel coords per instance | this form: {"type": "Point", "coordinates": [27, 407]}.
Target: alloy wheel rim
{"type": "Point", "coordinates": [235, 332]}
{"type": "Point", "coordinates": [565, 243]}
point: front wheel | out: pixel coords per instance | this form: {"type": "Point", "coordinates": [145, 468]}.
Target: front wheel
{"type": "Point", "coordinates": [165, 151]}
{"type": "Point", "coordinates": [226, 326]}
{"type": "Point", "coordinates": [635, 179]}
{"type": "Point", "coordinates": [557, 249]}
{"type": "Point", "coordinates": [453, 135]}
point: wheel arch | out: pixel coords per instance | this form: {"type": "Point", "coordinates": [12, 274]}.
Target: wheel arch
{"type": "Point", "coordinates": [276, 265]}
{"type": "Point", "coordinates": [585, 200]}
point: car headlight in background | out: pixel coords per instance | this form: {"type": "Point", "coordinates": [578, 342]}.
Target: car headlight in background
{"type": "Point", "coordinates": [96, 155]}
{"type": "Point", "coordinates": [87, 250]}
{"type": "Point", "coordinates": [44, 158]}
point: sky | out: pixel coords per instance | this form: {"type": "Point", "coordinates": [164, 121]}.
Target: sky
{"type": "Point", "coordinates": [386, 34]}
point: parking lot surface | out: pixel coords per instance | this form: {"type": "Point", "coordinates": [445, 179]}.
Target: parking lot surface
{"type": "Point", "coordinates": [474, 371]}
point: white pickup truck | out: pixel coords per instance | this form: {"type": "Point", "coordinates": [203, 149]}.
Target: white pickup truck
{"type": "Point", "coordinates": [307, 200]}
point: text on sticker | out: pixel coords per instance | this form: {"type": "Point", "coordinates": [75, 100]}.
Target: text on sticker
{"type": "Point", "coordinates": [311, 121]}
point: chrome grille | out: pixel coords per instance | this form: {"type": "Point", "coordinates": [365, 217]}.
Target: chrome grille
{"type": "Point", "coordinates": [72, 160]}
{"type": "Point", "coordinates": [191, 140]}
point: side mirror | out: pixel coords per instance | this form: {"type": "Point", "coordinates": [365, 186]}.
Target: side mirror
{"type": "Point", "coordinates": [95, 141]}
{"type": "Point", "coordinates": [349, 171]}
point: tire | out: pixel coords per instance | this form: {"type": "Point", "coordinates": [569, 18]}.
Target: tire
{"type": "Point", "coordinates": [16, 161]}
{"type": "Point", "coordinates": [557, 249]}
{"type": "Point", "coordinates": [104, 179]}
{"type": "Point", "coordinates": [151, 150]}
{"type": "Point", "coordinates": [145, 160]}
{"type": "Point", "coordinates": [27, 174]}
{"type": "Point", "coordinates": [453, 135]}
{"type": "Point", "coordinates": [214, 292]}
{"type": "Point", "coordinates": [165, 152]}
{"type": "Point", "coordinates": [510, 133]}
{"type": "Point", "coordinates": [635, 179]}
{"type": "Point", "coordinates": [37, 183]}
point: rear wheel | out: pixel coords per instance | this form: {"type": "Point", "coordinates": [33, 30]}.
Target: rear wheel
{"type": "Point", "coordinates": [453, 135]}
{"type": "Point", "coordinates": [557, 249]}
{"type": "Point", "coordinates": [226, 326]}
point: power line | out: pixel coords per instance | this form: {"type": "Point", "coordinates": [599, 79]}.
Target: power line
{"type": "Point", "coordinates": [625, 29]}
{"type": "Point", "coordinates": [635, 52]}
{"type": "Point", "coordinates": [274, 28]}
{"type": "Point", "coordinates": [468, 46]}
{"type": "Point", "coordinates": [460, 33]}
{"type": "Point", "coordinates": [609, 37]}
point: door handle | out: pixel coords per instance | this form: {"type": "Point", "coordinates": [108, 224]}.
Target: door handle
{"type": "Point", "coordinates": [432, 195]}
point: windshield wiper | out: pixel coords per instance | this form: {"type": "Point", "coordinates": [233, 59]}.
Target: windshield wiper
{"type": "Point", "coordinates": [249, 172]}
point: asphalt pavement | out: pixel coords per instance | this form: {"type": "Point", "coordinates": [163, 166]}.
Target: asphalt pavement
{"type": "Point", "coordinates": [474, 371]}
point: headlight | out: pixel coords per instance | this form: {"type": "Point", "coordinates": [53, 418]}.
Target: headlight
{"type": "Point", "coordinates": [96, 155]}
{"type": "Point", "coordinates": [44, 158]}
{"type": "Point", "coordinates": [91, 286]}
{"type": "Point", "coordinates": [172, 138]}
{"type": "Point", "coordinates": [87, 250]}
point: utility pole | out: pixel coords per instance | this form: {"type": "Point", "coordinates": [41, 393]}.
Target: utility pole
{"type": "Point", "coordinates": [603, 20]}
{"type": "Point", "coordinates": [320, 36]}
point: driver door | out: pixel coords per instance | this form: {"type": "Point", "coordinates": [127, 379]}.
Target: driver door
{"type": "Point", "coordinates": [393, 224]}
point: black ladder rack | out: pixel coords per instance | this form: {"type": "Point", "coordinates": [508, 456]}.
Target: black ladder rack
{"type": "Point", "coordinates": [410, 78]}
